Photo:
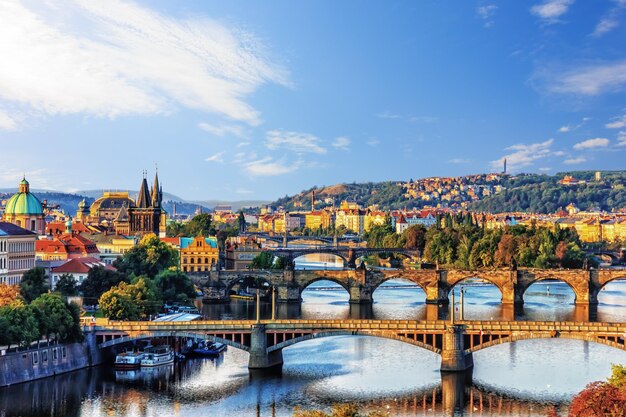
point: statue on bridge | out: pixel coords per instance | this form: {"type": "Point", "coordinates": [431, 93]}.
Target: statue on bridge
{"type": "Point", "coordinates": [513, 264]}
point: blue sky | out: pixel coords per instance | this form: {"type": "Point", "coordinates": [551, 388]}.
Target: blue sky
{"type": "Point", "coordinates": [254, 100]}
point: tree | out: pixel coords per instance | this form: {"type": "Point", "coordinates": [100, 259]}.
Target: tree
{"type": "Point", "coordinates": [33, 284]}
{"type": "Point", "coordinates": [130, 301]}
{"type": "Point", "coordinates": [8, 294]}
{"type": "Point", "coordinates": [506, 250]}
{"type": "Point", "coordinates": [264, 260]}
{"type": "Point", "coordinates": [99, 279]}
{"type": "Point", "coordinates": [200, 225]}
{"type": "Point", "coordinates": [415, 237]}
{"type": "Point", "coordinates": [600, 399]}
{"type": "Point", "coordinates": [175, 286]}
{"type": "Point", "coordinates": [66, 285]}
{"type": "Point", "coordinates": [148, 258]}
{"type": "Point", "coordinates": [53, 316]}
{"type": "Point", "coordinates": [22, 327]}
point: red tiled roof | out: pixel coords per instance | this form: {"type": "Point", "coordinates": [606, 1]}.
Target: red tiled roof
{"type": "Point", "coordinates": [80, 266]}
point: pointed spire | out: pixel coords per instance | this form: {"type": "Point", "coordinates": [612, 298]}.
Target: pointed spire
{"type": "Point", "coordinates": [143, 199]}
{"type": "Point", "coordinates": [156, 191]}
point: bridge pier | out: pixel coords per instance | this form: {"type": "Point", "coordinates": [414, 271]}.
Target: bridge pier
{"type": "Point", "coordinates": [360, 294]}
{"type": "Point", "coordinates": [288, 293]}
{"type": "Point", "coordinates": [453, 391]}
{"type": "Point", "coordinates": [453, 355]}
{"type": "Point", "coordinates": [260, 359]}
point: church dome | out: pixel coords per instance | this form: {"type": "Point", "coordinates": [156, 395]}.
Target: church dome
{"type": "Point", "coordinates": [23, 202]}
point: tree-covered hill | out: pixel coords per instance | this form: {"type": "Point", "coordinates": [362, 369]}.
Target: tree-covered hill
{"type": "Point", "coordinates": [499, 193]}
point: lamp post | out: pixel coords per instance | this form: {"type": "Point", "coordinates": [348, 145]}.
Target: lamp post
{"type": "Point", "coordinates": [462, 304]}
{"type": "Point", "coordinates": [258, 305]}
{"type": "Point", "coordinates": [452, 309]}
{"type": "Point", "coordinates": [273, 303]}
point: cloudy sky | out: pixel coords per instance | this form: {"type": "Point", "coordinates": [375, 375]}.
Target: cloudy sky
{"type": "Point", "coordinates": [258, 99]}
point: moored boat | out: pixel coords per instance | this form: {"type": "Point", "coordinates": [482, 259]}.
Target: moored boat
{"type": "Point", "coordinates": [209, 348]}
{"type": "Point", "coordinates": [158, 355]}
{"type": "Point", "coordinates": [129, 360]}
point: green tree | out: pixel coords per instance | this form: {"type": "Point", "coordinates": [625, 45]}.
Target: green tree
{"type": "Point", "coordinates": [200, 225]}
{"type": "Point", "coordinates": [175, 286]}
{"type": "Point", "coordinates": [66, 285]}
{"type": "Point", "coordinates": [131, 301]}
{"type": "Point", "coordinates": [99, 280]}
{"type": "Point", "coordinates": [264, 260]}
{"type": "Point", "coordinates": [148, 258]}
{"type": "Point", "coordinates": [22, 326]}
{"type": "Point", "coordinates": [53, 316]}
{"type": "Point", "coordinates": [34, 283]}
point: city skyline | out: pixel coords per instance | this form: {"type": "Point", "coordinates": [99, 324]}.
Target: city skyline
{"type": "Point", "coordinates": [245, 101]}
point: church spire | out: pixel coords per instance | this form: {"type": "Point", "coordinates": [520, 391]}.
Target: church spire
{"type": "Point", "coordinates": [156, 201]}
{"type": "Point", "coordinates": [143, 199]}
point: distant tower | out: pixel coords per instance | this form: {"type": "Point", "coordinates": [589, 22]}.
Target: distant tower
{"type": "Point", "coordinates": [504, 162]}
{"type": "Point", "coordinates": [313, 201]}
{"type": "Point", "coordinates": [598, 176]}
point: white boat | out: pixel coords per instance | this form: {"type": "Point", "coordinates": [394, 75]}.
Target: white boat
{"type": "Point", "coordinates": [157, 355]}
{"type": "Point", "coordinates": [129, 360]}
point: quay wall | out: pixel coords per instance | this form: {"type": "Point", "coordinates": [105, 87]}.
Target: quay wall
{"type": "Point", "coordinates": [33, 364]}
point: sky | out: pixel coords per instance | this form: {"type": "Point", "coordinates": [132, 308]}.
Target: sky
{"type": "Point", "coordinates": [244, 100]}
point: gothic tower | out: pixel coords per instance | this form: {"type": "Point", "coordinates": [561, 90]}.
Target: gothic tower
{"type": "Point", "coordinates": [148, 215]}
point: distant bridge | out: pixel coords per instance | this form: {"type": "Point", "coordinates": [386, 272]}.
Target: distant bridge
{"type": "Point", "coordinates": [281, 238]}
{"type": "Point", "coordinates": [454, 342]}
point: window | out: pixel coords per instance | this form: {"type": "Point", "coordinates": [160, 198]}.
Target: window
{"type": "Point", "coordinates": [33, 224]}
{"type": "Point", "coordinates": [63, 352]}
{"type": "Point", "coordinates": [55, 354]}
{"type": "Point", "coordinates": [35, 358]}
{"type": "Point", "coordinates": [44, 356]}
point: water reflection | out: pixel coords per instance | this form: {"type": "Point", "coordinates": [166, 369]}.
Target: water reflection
{"type": "Point", "coordinates": [525, 378]}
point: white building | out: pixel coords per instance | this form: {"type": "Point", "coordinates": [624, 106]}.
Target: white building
{"type": "Point", "coordinates": [17, 252]}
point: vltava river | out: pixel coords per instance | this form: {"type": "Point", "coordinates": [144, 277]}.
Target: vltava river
{"type": "Point", "coordinates": [525, 378]}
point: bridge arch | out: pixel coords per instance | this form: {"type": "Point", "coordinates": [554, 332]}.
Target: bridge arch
{"type": "Point", "coordinates": [337, 256]}
{"type": "Point", "coordinates": [343, 285]}
{"type": "Point", "coordinates": [400, 276]}
{"type": "Point", "coordinates": [456, 281]}
{"type": "Point", "coordinates": [191, 335]}
{"type": "Point", "coordinates": [435, 347]}
{"type": "Point", "coordinates": [578, 294]}
{"type": "Point", "coordinates": [547, 335]}
{"type": "Point", "coordinates": [596, 290]}
{"type": "Point", "coordinates": [253, 277]}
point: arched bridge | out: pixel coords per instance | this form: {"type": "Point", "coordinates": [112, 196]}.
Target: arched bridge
{"type": "Point", "coordinates": [281, 239]}
{"type": "Point", "coordinates": [348, 254]}
{"type": "Point", "coordinates": [455, 342]}
{"type": "Point", "coordinates": [361, 283]}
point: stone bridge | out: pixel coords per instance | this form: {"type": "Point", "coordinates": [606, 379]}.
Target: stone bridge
{"type": "Point", "coordinates": [361, 283]}
{"type": "Point", "coordinates": [348, 254]}
{"type": "Point", "coordinates": [454, 342]}
{"type": "Point", "coordinates": [282, 239]}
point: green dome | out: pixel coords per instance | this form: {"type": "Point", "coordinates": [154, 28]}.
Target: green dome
{"type": "Point", "coordinates": [23, 203]}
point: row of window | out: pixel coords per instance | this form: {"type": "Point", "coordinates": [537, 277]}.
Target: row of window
{"type": "Point", "coordinates": [11, 280]}
{"type": "Point", "coordinates": [198, 260]}
{"type": "Point", "coordinates": [3, 245]}
{"type": "Point", "coordinates": [15, 264]}
{"type": "Point", "coordinates": [44, 355]}
{"type": "Point", "coordinates": [197, 269]}
{"type": "Point", "coordinates": [16, 247]}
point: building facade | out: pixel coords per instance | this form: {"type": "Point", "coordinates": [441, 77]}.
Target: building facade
{"type": "Point", "coordinates": [17, 252]}
{"type": "Point", "coordinates": [198, 254]}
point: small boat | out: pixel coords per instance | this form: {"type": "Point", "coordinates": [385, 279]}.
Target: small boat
{"type": "Point", "coordinates": [129, 360]}
{"type": "Point", "coordinates": [243, 295]}
{"type": "Point", "coordinates": [209, 348]}
{"type": "Point", "coordinates": [158, 355]}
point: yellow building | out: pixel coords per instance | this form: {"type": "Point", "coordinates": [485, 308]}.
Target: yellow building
{"type": "Point", "coordinates": [198, 254]}
{"type": "Point", "coordinates": [316, 219]}
{"type": "Point", "coordinates": [351, 219]}
{"type": "Point", "coordinates": [589, 230]}
{"type": "Point", "coordinates": [374, 218]}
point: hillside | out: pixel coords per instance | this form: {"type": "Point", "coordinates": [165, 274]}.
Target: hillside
{"type": "Point", "coordinates": [483, 192]}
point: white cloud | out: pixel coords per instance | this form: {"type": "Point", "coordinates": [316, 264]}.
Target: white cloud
{"type": "Point", "coordinates": [243, 191]}
{"type": "Point", "coordinates": [116, 58]}
{"type": "Point", "coordinates": [524, 155]}
{"type": "Point", "coordinates": [565, 128]}
{"type": "Point", "coordinates": [574, 161]}
{"type": "Point", "coordinates": [569, 128]}
{"type": "Point", "coordinates": [551, 10]}
{"type": "Point", "coordinates": [621, 139]}
{"type": "Point", "coordinates": [459, 161]}
{"type": "Point", "coordinates": [388, 115]}
{"type": "Point", "coordinates": [218, 157]}
{"type": "Point", "coordinates": [590, 80]}
{"type": "Point", "coordinates": [223, 129]}
{"type": "Point", "coordinates": [373, 142]}
{"type": "Point", "coordinates": [269, 167]}
{"type": "Point", "coordinates": [617, 122]}
{"type": "Point", "coordinates": [592, 144]}
{"type": "Point", "coordinates": [486, 13]}
{"type": "Point", "coordinates": [7, 122]}
{"type": "Point", "coordinates": [342, 143]}
{"type": "Point", "coordinates": [294, 141]}
{"type": "Point", "coordinates": [423, 119]}
{"type": "Point", "coordinates": [610, 20]}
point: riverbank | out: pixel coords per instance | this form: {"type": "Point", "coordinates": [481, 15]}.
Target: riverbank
{"type": "Point", "coordinates": [44, 362]}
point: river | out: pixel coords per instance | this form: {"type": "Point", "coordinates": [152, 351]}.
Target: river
{"type": "Point", "coordinates": [524, 378]}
